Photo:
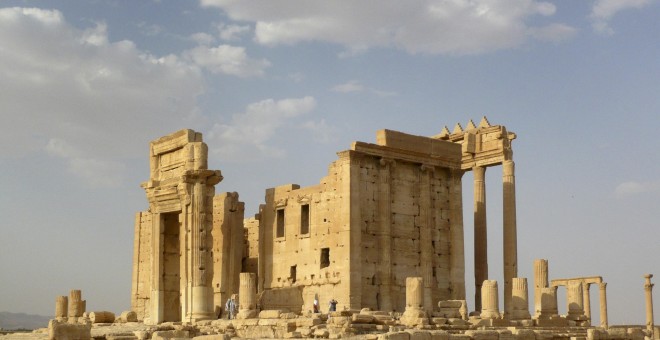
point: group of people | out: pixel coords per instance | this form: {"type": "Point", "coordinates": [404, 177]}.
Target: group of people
{"type": "Point", "coordinates": [231, 306]}
{"type": "Point", "coordinates": [332, 306]}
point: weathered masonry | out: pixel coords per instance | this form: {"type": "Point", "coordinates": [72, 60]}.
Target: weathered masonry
{"type": "Point", "coordinates": [384, 212]}
{"type": "Point", "coordinates": [183, 265]}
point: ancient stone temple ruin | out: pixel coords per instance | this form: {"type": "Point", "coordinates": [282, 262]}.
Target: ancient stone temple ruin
{"type": "Point", "coordinates": [384, 212]}
{"type": "Point", "coordinates": [381, 236]}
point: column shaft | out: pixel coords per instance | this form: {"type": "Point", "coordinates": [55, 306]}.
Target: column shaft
{"type": "Point", "coordinates": [648, 289]}
{"type": "Point", "coordinates": [540, 281]}
{"type": "Point", "coordinates": [603, 305]}
{"type": "Point", "coordinates": [414, 293]}
{"type": "Point", "coordinates": [510, 238]}
{"type": "Point", "coordinates": [456, 245]}
{"type": "Point", "coordinates": [61, 307]}
{"type": "Point", "coordinates": [480, 234]}
{"type": "Point", "coordinates": [586, 300]}
{"type": "Point", "coordinates": [426, 236]}
{"type": "Point", "coordinates": [519, 299]}
{"type": "Point", "coordinates": [490, 300]}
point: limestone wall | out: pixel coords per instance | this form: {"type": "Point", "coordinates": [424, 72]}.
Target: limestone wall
{"type": "Point", "coordinates": [141, 283]}
{"type": "Point", "coordinates": [227, 238]}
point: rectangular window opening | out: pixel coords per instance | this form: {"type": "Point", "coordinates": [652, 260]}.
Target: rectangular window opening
{"type": "Point", "coordinates": [293, 274]}
{"type": "Point", "coordinates": [325, 257]}
{"type": "Point", "coordinates": [280, 223]}
{"type": "Point", "coordinates": [304, 219]}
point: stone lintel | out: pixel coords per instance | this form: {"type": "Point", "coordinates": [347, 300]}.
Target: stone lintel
{"type": "Point", "coordinates": [450, 160]}
{"type": "Point", "coordinates": [174, 141]}
{"type": "Point", "coordinates": [418, 144]}
{"type": "Point", "coordinates": [586, 279]}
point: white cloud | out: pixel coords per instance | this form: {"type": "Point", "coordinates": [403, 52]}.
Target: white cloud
{"type": "Point", "coordinates": [297, 77]}
{"type": "Point", "coordinates": [634, 187]}
{"type": "Point", "coordinates": [321, 131]}
{"type": "Point", "coordinates": [232, 32]}
{"type": "Point", "coordinates": [420, 26]}
{"type": "Point", "coordinates": [227, 59]}
{"type": "Point", "coordinates": [202, 38]}
{"type": "Point", "coordinates": [247, 135]}
{"type": "Point", "coordinates": [82, 97]}
{"type": "Point", "coordinates": [354, 86]}
{"type": "Point", "coordinates": [554, 32]}
{"type": "Point", "coordinates": [95, 172]}
{"type": "Point", "coordinates": [603, 10]}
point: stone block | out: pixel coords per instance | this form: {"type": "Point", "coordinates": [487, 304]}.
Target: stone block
{"type": "Point", "coordinates": [128, 316]}
{"type": "Point", "coordinates": [395, 336]}
{"type": "Point", "coordinates": [524, 334]}
{"type": "Point", "coordinates": [256, 332]}
{"type": "Point", "coordinates": [121, 337]}
{"type": "Point", "coordinates": [213, 337]}
{"type": "Point", "coordinates": [321, 333]}
{"type": "Point", "coordinates": [439, 335]}
{"type": "Point", "coordinates": [459, 337]}
{"type": "Point", "coordinates": [102, 317]}
{"type": "Point", "coordinates": [69, 331]}
{"type": "Point", "coordinates": [419, 335]}
{"type": "Point", "coordinates": [270, 314]}
{"type": "Point", "coordinates": [162, 335]}
{"type": "Point", "coordinates": [292, 335]}
{"type": "Point", "coordinates": [483, 335]}
{"type": "Point", "coordinates": [439, 321]}
{"type": "Point", "coordinates": [362, 318]}
{"type": "Point", "coordinates": [307, 322]}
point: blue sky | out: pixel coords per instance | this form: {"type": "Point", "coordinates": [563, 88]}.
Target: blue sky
{"type": "Point", "coordinates": [278, 87]}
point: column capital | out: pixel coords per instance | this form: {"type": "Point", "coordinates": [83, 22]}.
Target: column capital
{"type": "Point", "coordinates": [427, 167]}
{"type": "Point", "coordinates": [602, 285]}
{"type": "Point", "coordinates": [386, 162]}
{"type": "Point", "coordinates": [479, 173]}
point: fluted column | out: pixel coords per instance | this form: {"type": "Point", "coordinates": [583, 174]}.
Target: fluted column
{"type": "Point", "coordinates": [480, 234]}
{"type": "Point", "coordinates": [519, 299]}
{"type": "Point", "coordinates": [648, 288]}
{"type": "Point", "coordinates": [586, 300]}
{"type": "Point", "coordinates": [489, 300]}
{"type": "Point", "coordinates": [540, 281]}
{"type": "Point", "coordinates": [61, 307]}
{"type": "Point", "coordinates": [457, 244]}
{"type": "Point", "coordinates": [603, 305]}
{"type": "Point", "coordinates": [510, 237]}
{"type": "Point", "coordinates": [247, 296]}
{"type": "Point", "coordinates": [575, 300]}
{"type": "Point", "coordinates": [75, 304]}
{"type": "Point", "coordinates": [414, 293]}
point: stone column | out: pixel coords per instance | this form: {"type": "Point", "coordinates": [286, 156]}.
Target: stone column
{"type": "Point", "coordinates": [603, 305]}
{"type": "Point", "coordinates": [385, 239]}
{"type": "Point", "coordinates": [480, 234]}
{"type": "Point", "coordinates": [75, 304]}
{"type": "Point", "coordinates": [414, 314]}
{"type": "Point", "coordinates": [575, 300]}
{"type": "Point", "coordinates": [201, 293]}
{"type": "Point", "coordinates": [510, 238]}
{"type": "Point", "coordinates": [61, 307]}
{"type": "Point", "coordinates": [247, 296]}
{"type": "Point", "coordinates": [519, 299]}
{"type": "Point", "coordinates": [540, 281]}
{"type": "Point", "coordinates": [548, 302]}
{"type": "Point", "coordinates": [489, 300]}
{"type": "Point", "coordinates": [648, 288]}
{"type": "Point", "coordinates": [586, 300]}
{"type": "Point", "coordinates": [414, 293]}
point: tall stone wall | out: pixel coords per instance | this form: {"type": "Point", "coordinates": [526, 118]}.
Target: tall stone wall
{"type": "Point", "coordinates": [228, 240]}
{"type": "Point", "coordinates": [141, 283]}
{"type": "Point", "coordinates": [304, 245]}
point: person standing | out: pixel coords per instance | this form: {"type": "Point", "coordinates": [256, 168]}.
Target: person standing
{"type": "Point", "coordinates": [333, 305]}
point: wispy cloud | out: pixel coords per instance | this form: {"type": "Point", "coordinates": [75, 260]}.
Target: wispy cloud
{"type": "Point", "coordinates": [603, 10]}
{"type": "Point", "coordinates": [419, 26]}
{"type": "Point", "coordinates": [232, 32]}
{"type": "Point", "coordinates": [633, 188]}
{"type": "Point", "coordinates": [246, 137]}
{"type": "Point", "coordinates": [227, 59]}
{"type": "Point", "coordinates": [354, 86]}
{"type": "Point", "coordinates": [94, 171]}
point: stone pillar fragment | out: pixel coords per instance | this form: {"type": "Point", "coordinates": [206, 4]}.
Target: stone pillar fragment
{"type": "Point", "coordinates": [648, 288]}
{"type": "Point", "coordinates": [489, 300]}
{"type": "Point", "coordinates": [575, 301]}
{"type": "Point", "coordinates": [75, 304]}
{"type": "Point", "coordinates": [603, 305]}
{"type": "Point", "coordinates": [61, 307]}
{"type": "Point", "coordinates": [519, 299]}
{"type": "Point", "coordinates": [247, 296]}
{"type": "Point", "coordinates": [385, 239]}
{"type": "Point", "coordinates": [540, 281]}
{"type": "Point", "coordinates": [510, 233]}
{"type": "Point", "coordinates": [548, 302]}
{"type": "Point", "coordinates": [414, 314]}
{"type": "Point", "coordinates": [480, 234]}
{"type": "Point", "coordinates": [586, 300]}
